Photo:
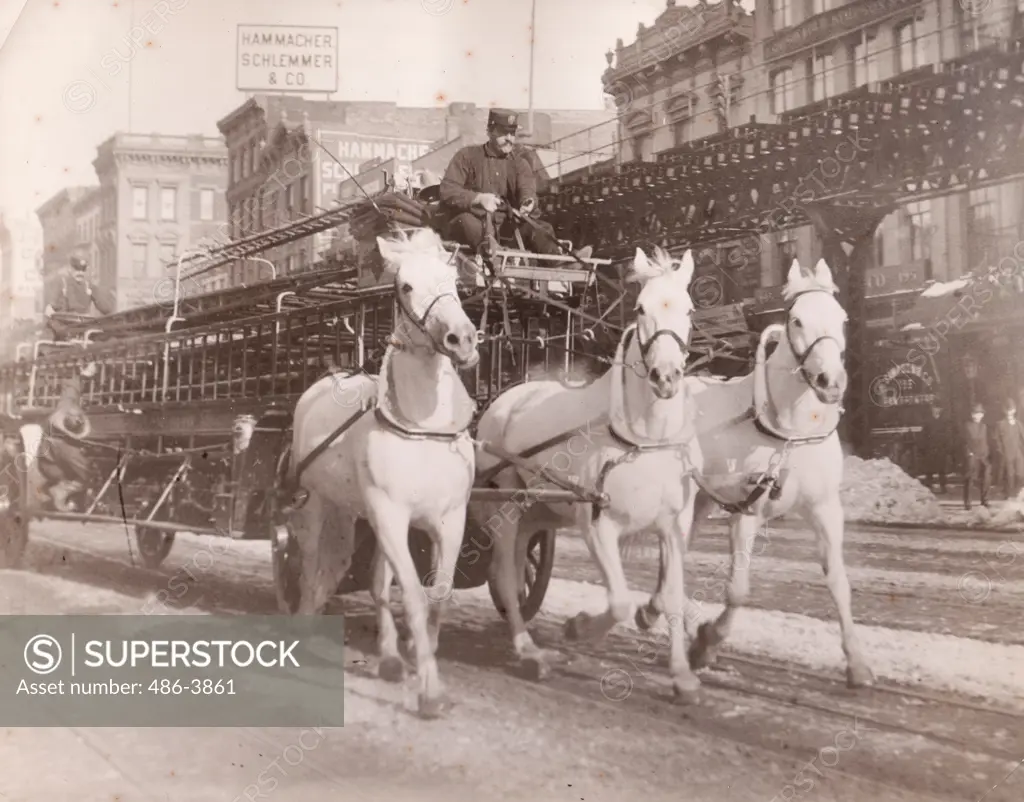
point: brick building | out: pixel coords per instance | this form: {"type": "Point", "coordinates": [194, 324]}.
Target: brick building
{"type": "Point", "coordinates": [21, 280]}
{"type": "Point", "coordinates": [159, 197]}
{"type": "Point", "coordinates": [278, 174]}
{"type": "Point", "coordinates": [60, 228]}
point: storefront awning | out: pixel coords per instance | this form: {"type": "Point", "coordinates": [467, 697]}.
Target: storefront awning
{"type": "Point", "coordinates": [966, 304]}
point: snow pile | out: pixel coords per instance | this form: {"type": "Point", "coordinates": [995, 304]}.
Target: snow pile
{"type": "Point", "coordinates": [877, 491]}
{"type": "Point", "coordinates": [1009, 513]}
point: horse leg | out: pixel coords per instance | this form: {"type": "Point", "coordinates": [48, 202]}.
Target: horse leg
{"type": "Point", "coordinates": [391, 667]}
{"type": "Point", "coordinates": [603, 540]}
{"type": "Point", "coordinates": [827, 521]}
{"type": "Point", "coordinates": [391, 525]}
{"type": "Point", "coordinates": [742, 533]}
{"type": "Point", "coordinates": [509, 538]}
{"type": "Point", "coordinates": [447, 533]}
{"type": "Point", "coordinates": [685, 683]}
{"type": "Point", "coordinates": [649, 614]}
{"type": "Point", "coordinates": [307, 526]}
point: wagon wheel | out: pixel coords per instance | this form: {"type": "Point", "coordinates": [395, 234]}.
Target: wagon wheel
{"type": "Point", "coordinates": [284, 548]}
{"type": "Point", "coordinates": [154, 545]}
{"type": "Point", "coordinates": [540, 559]}
{"type": "Point", "coordinates": [14, 518]}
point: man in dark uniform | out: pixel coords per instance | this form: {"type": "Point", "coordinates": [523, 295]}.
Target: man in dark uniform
{"type": "Point", "coordinates": [480, 177]}
{"type": "Point", "coordinates": [71, 295]}
{"type": "Point", "coordinates": [935, 449]}
{"type": "Point", "coordinates": [976, 463]}
{"type": "Point", "coordinates": [1010, 447]}
{"type": "Point", "coordinates": [62, 459]}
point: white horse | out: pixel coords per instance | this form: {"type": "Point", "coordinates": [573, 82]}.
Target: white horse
{"type": "Point", "coordinates": [409, 463]}
{"type": "Point", "coordinates": [770, 445]}
{"type": "Point", "coordinates": [626, 434]}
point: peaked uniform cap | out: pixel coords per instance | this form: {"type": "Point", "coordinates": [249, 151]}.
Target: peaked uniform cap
{"type": "Point", "coordinates": [505, 119]}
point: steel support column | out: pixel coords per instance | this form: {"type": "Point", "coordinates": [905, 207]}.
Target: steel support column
{"type": "Point", "coordinates": [854, 228]}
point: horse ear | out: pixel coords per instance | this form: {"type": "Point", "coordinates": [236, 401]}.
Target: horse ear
{"type": "Point", "coordinates": [823, 275]}
{"type": "Point", "coordinates": [685, 269]}
{"type": "Point", "coordinates": [795, 272]}
{"type": "Point", "coordinates": [640, 260]}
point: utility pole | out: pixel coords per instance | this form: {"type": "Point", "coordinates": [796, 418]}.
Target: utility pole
{"type": "Point", "coordinates": [533, 30]}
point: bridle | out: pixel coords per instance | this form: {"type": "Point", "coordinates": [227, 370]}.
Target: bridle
{"type": "Point", "coordinates": [645, 347]}
{"type": "Point", "coordinates": [801, 358]}
{"type": "Point", "coordinates": [421, 322]}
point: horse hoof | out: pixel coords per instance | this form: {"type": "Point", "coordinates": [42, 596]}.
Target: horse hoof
{"type": "Point", "coordinates": [859, 677]}
{"type": "Point", "coordinates": [645, 618]}
{"type": "Point", "coordinates": [574, 627]}
{"type": "Point", "coordinates": [686, 693]}
{"type": "Point", "coordinates": [432, 707]}
{"type": "Point", "coordinates": [391, 669]}
{"type": "Point", "coordinates": [535, 668]}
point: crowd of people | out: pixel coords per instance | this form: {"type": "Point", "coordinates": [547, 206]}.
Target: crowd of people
{"type": "Point", "coordinates": [991, 456]}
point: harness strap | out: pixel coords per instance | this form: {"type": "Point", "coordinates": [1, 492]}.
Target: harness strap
{"type": "Point", "coordinates": [769, 481]}
{"type": "Point", "coordinates": [487, 476]}
{"type": "Point", "coordinates": [322, 447]}
{"type": "Point", "coordinates": [388, 422]}
{"type": "Point", "coordinates": [596, 498]}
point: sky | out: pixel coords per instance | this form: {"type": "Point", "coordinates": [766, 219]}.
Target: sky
{"type": "Point", "coordinates": [60, 98]}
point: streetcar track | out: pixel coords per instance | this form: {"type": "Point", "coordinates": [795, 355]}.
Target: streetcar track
{"type": "Point", "coordinates": [247, 586]}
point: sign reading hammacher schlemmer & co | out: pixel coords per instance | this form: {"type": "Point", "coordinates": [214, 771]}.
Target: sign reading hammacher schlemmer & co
{"type": "Point", "coordinates": [287, 58]}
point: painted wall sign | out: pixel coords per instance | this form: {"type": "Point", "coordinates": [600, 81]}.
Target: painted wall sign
{"type": "Point", "coordinates": [354, 150]}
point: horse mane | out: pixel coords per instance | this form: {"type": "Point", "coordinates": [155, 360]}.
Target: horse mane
{"type": "Point", "coordinates": [660, 264]}
{"type": "Point", "coordinates": [807, 281]}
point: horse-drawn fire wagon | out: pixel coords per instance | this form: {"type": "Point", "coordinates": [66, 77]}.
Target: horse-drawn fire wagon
{"type": "Point", "coordinates": [189, 402]}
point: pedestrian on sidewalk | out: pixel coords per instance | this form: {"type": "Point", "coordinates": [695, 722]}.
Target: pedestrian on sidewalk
{"type": "Point", "coordinates": [935, 446]}
{"type": "Point", "coordinates": [976, 456]}
{"type": "Point", "coordinates": [1010, 446]}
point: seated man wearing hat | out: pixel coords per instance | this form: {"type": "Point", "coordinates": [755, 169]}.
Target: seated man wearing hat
{"type": "Point", "coordinates": [480, 178]}
{"type": "Point", "coordinates": [71, 295]}
{"type": "Point", "coordinates": [62, 460]}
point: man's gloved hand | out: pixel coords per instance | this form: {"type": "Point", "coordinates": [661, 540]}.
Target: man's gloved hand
{"type": "Point", "coordinates": [487, 201]}
{"type": "Point", "coordinates": [527, 207]}
{"type": "Point", "coordinates": [48, 312]}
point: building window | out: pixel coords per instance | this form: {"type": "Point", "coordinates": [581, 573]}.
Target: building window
{"type": "Point", "coordinates": [820, 6]}
{"type": "Point", "coordinates": [782, 95]}
{"type": "Point", "coordinates": [303, 195]}
{"type": "Point", "coordinates": [785, 251]}
{"type": "Point", "coordinates": [910, 47]}
{"type": "Point", "coordinates": [864, 61]}
{"type": "Point", "coordinates": [821, 68]}
{"type": "Point", "coordinates": [168, 203]}
{"type": "Point", "coordinates": [919, 217]}
{"type": "Point", "coordinates": [140, 252]}
{"type": "Point", "coordinates": [140, 203]}
{"type": "Point", "coordinates": [682, 131]}
{"type": "Point", "coordinates": [982, 224]}
{"type": "Point", "coordinates": [168, 254]}
{"type": "Point", "coordinates": [782, 14]}
{"type": "Point", "coordinates": [245, 161]}
{"type": "Point", "coordinates": [206, 204]}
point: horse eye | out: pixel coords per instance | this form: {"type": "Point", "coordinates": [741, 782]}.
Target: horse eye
{"type": "Point", "coordinates": [640, 309]}
{"type": "Point", "coordinates": [406, 288]}
{"type": "Point", "coordinates": [797, 323]}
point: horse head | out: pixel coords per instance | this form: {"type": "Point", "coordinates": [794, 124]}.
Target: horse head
{"type": "Point", "coordinates": [663, 321]}
{"type": "Point", "coordinates": [816, 330]}
{"type": "Point", "coordinates": [426, 289]}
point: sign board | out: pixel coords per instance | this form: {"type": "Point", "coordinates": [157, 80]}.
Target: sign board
{"type": "Point", "coordinates": [728, 318]}
{"type": "Point", "coordinates": [832, 24]}
{"type": "Point", "coordinates": [769, 299]}
{"type": "Point", "coordinates": [895, 278]}
{"type": "Point", "coordinates": [354, 150]}
{"type": "Point", "coordinates": [287, 58]}
{"type": "Point", "coordinates": [371, 180]}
